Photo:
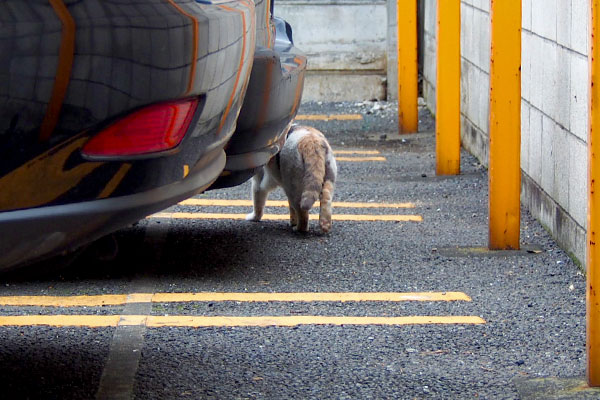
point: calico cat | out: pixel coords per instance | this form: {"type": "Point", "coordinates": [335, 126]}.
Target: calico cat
{"type": "Point", "coordinates": [306, 170]}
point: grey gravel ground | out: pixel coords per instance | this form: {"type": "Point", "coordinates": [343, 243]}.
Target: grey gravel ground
{"type": "Point", "coordinates": [533, 304]}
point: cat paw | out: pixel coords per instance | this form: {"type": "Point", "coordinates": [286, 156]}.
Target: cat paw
{"type": "Point", "coordinates": [253, 217]}
{"type": "Point", "coordinates": [326, 227]}
{"type": "Point", "coordinates": [296, 229]}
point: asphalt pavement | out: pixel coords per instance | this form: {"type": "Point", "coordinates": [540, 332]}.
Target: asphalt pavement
{"type": "Point", "coordinates": [406, 234]}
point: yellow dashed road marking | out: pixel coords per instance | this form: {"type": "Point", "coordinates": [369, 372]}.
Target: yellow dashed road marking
{"type": "Point", "coordinates": [100, 321]}
{"type": "Point", "coordinates": [331, 117]}
{"type": "Point", "coordinates": [284, 203]}
{"type": "Point", "coordinates": [284, 217]}
{"type": "Point", "coordinates": [356, 152]}
{"type": "Point", "coordinates": [360, 159]}
{"type": "Point", "coordinates": [182, 321]}
{"type": "Point", "coordinates": [121, 299]}
{"type": "Point", "coordinates": [65, 301]}
{"type": "Point", "coordinates": [311, 296]}
{"type": "Point", "coordinates": [91, 321]}
{"type": "Point", "coordinates": [133, 320]}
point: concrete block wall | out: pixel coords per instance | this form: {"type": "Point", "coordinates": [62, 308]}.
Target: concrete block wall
{"type": "Point", "coordinates": [346, 43]}
{"type": "Point", "coordinates": [554, 104]}
{"type": "Point", "coordinates": [429, 50]}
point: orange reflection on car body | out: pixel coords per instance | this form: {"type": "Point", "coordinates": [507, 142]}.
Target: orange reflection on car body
{"type": "Point", "coordinates": [44, 178]}
{"type": "Point", "coordinates": [242, 58]}
{"type": "Point", "coordinates": [194, 44]}
{"type": "Point", "coordinates": [63, 71]}
{"type": "Point", "coordinates": [115, 181]}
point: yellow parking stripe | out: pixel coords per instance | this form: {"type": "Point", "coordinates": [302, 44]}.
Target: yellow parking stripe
{"type": "Point", "coordinates": [331, 117]}
{"type": "Point", "coordinates": [65, 301]}
{"type": "Point", "coordinates": [182, 321]}
{"type": "Point", "coordinates": [100, 321]}
{"type": "Point", "coordinates": [356, 152]}
{"type": "Point", "coordinates": [360, 159]}
{"type": "Point", "coordinates": [121, 299]}
{"type": "Point", "coordinates": [284, 203]}
{"type": "Point", "coordinates": [91, 321]}
{"type": "Point", "coordinates": [310, 296]}
{"type": "Point", "coordinates": [139, 298]}
{"type": "Point", "coordinates": [284, 217]}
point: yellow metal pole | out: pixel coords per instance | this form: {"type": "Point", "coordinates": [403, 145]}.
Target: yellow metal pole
{"type": "Point", "coordinates": [505, 125]}
{"type": "Point", "coordinates": [593, 251]}
{"type": "Point", "coordinates": [406, 18]}
{"type": "Point", "coordinates": [447, 127]}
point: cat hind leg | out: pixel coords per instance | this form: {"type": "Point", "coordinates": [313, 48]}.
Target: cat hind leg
{"type": "Point", "coordinates": [262, 184]}
{"type": "Point", "coordinates": [302, 225]}
{"type": "Point", "coordinates": [325, 209]}
{"type": "Point", "coordinates": [293, 217]}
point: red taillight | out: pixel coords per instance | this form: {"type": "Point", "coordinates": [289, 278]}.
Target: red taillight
{"type": "Point", "coordinates": [155, 128]}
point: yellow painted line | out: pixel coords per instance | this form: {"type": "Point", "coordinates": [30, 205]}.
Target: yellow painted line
{"type": "Point", "coordinates": [121, 299]}
{"type": "Point", "coordinates": [91, 321]}
{"type": "Point", "coordinates": [346, 204]}
{"type": "Point", "coordinates": [140, 297]}
{"type": "Point", "coordinates": [310, 296]}
{"type": "Point", "coordinates": [151, 321]}
{"type": "Point", "coordinates": [65, 301]}
{"type": "Point", "coordinates": [133, 320]}
{"type": "Point", "coordinates": [356, 152]}
{"type": "Point", "coordinates": [192, 321]}
{"type": "Point", "coordinates": [360, 159]}
{"type": "Point", "coordinates": [284, 217]}
{"type": "Point", "coordinates": [331, 117]}
{"type": "Point", "coordinates": [284, 203]}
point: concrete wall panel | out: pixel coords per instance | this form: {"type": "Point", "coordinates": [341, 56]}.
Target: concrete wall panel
{"type": "Point", "coordinates": [340, 38]}
{"type": "Point", "coordinates": [554, 120]}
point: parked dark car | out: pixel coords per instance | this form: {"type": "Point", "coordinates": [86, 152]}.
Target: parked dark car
{"type": "Point", "coordinates": [111, 110]}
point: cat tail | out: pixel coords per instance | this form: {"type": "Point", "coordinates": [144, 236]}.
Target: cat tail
{"type": "Point", "coordinates": [314, 153]}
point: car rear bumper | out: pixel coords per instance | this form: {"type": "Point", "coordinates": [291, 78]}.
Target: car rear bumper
{"type": "Point", "coordinates": [32, 234]}
{"type": "Point", "coordinates": [124, 56]}
{"type": "Point", "coordinates": [271, 103]}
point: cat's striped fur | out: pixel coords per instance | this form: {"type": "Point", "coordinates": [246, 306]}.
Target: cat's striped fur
{"type": "Point", "coordinates": [306, 170]}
